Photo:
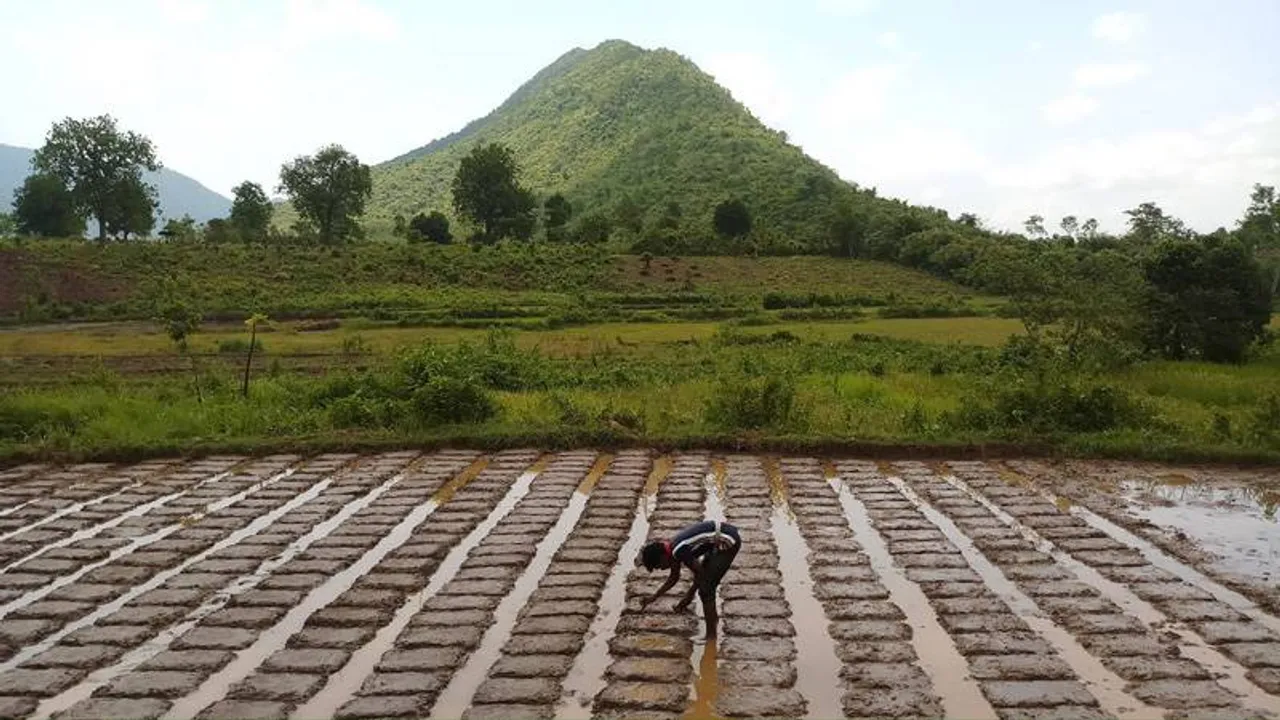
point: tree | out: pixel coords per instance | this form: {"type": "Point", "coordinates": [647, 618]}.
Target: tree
{"type": "Point", "coordinates": [592, 229]}
{"type": "Point", "coordinates": [8, 225]}
{"type": "Point", "coordinates": [1071, 226]}
{"type": "Point", "coordinates": [432, 228]}
{"type": "Point", "coordinates": [628, 215]}
{"type": "Point", "coordinates": [556, 212]}
{"type": "Point", "coordinates": [1148, 224]}
{"type": "Point", "coordinates": [1206, 298]}
{"type": "Point", "coordinates": [848, 231]}
{"type": "Point", "coordinates": [99, 164]}
{"type": "Point", "coordinates": [44, 206]}
{"type": "Point", "coordinates": [1090, 228]}
{"type": "Point", "coordinates": [970, 220]}
{"type": "Point", "coordinates": [183, 230]}
{"type": "Point", "coordinates": [250, 211]}
{"type": "Point", "coordinates": [1035, 226]}
{"type": "Point", "coordinates": [329, 191]}
{"type": "Point", "coordinates": [220, 231]}
{"type": "Point", "coordinates": [253, 322]}
{"type": "Point", "coordinates": [732, 220]}
{"type": "Point", "coordinates": [1260, 226]}
{"type": "Point", "coordinates": [132, 210]}
{"type": "Point", "coordinates": [399, 226]}
{"type": "Point", "coordinates": [180, 320]}
{"type": "Point", "coordinates": [487, 191]}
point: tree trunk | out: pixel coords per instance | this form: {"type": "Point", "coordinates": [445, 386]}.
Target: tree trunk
{"type": "Point", "coordinates": [248, 363]}
{"type": "Point", "coordinates": [102, 224]}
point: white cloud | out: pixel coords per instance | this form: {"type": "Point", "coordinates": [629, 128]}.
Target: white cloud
{"type": "Point", "coordinates": [889, 40]}
{"type": "Point", "coordinates": [1102, 75]}
{"type": "Point", "coordinates": [862, 94]}
{"type": "Point", "coordinates": [1119, 27]}
{"type": "Point", "coordinates": [848, 8]}
{"type": "Point", "coordinates": [1069, 108]}
{"type": "Point", "coordinates": [311, 20]}
{"type": "Point", "coordinates": [754, 82]}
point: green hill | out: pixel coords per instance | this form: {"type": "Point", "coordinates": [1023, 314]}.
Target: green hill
{"type": "Point", "coordinates": [619, 125]}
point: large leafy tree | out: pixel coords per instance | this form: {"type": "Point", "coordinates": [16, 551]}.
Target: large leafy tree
{"type": "Point", "coordinates": [1260, 230]}
{"type": "Point", "coordinates": [250, 210]}
{"type": "Point", "coordinates": [732, 219]}
{"type": "Point", "coordinates": [329, 191]}
{"type": "Point", "coordinates": [487, 191]}
{"type": "Point", "coordinates": [1206, 298]}
{"type": "Point", "coordinates": [100, 165]}
{"type": "Point", "coordinates": [433, 227]}
{"type": "Point", "coordinates": [132, 210]}
{"type": "Point", "coordinates": [44, 206]}
{"type": "Point", "coordinates": [556, 212]}
{"type": "Point", "coordinates": [1149, 223]}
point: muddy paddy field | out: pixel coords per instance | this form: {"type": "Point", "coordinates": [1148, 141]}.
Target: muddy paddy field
{"type": "Point", "coordinates": [460, 584]}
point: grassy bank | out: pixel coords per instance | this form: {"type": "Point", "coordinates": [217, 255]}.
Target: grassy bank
{"type": "Point", "coordinates": [755, 388]}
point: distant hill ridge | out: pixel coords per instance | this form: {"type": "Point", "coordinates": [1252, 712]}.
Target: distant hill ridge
{"type": "Point", "coordinates": [179, 194]}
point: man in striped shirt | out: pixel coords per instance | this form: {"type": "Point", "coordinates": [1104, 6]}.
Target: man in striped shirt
{"type": "Point", "coordinates": [707, 549]}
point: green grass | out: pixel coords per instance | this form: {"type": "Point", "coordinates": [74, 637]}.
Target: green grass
{"type": "Point", "coordinates": [849, 394]}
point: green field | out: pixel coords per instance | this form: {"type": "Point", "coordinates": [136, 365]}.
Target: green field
{"type": "Point", "coordinates": [385, 344]}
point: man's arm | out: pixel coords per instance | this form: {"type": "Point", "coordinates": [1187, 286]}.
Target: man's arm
{"type": "Point", "coordinates": [695, 568]}
{"type": "Point", "coordinates": [670, 583]}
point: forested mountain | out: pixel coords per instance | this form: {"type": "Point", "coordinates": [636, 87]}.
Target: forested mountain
{"type": "Point", "coordinates": [624, 133]}
{"type": "Point", "coordinates": [179, 194]}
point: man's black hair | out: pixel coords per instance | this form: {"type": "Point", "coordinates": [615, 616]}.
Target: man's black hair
{"type": "Point", "coordinates": [652, 554]}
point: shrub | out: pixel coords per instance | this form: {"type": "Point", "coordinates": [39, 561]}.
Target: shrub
{"type": "Point", "coordinates": [23, 421]}
{"type": "Point", "coordinates": [1062, 405]}
{"type": "Point", "coordinates": [235, 346]}
{"type": "Point", "coordinates": [752, 403]}
{"type": "Point", "coordinates": [444, 400]}
{"type": "Point", "coordinates": [1264, 421]}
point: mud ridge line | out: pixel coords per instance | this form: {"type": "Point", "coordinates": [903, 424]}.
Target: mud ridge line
{"type": "Point", "coordinates": [15, 475]}
{"type": "Point", "coordinates": [1192, 622]}
{"type": "Point", "coordinates": [1024, 662]}
{"type": "Point", "coordinates": [585, 678]}
{"type": "Point", "coordinates": [55, 486]}
{"type": "Point", "coordinates": [1070, 484]}
{"type": "Point", "coordinates": [337, 585]}
{"type": "Point", "coordinates": [48, 577]}
{"type": "Point", "coordinates": [1244, 597]}
{"type": "Point", "coordinates": [895, 659]}
{"type": "Point", "coordinates": [91, 518]}
{"type": "Point", "coordinates": [650, 671]}
{"type": "Point", "coordinates": [467, 680]}
{"type": "Point", "coordinates": [99, 490]}
{"type": "Point", "coordinates": [64, 492]}
{"type": "Point", "coordinates": [171, 613]}
{"type": "Point", "coordinates": [470, 509]}
{"type": "Point", "coordinates": [518, 679]}
{"type": "Point", "coordinates": [755, 630]}
{"type": "Point", "coordinates": [411, 658]}
{"type": "Point", "coordinates": [86, 574]}
{"type": "Point", "coordinates": [47, 667]}
{"type": "Point", "coordinates": [1120, 607]}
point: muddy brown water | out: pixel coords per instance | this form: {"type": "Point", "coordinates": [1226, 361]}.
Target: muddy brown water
{"type": "Point", "coordinates": [874, 589]}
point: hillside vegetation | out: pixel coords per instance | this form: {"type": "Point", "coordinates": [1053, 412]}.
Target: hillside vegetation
{"type": "Point", "coordinates": [520, 285]}
{"type": "Point", "coordinates": [625, 132]}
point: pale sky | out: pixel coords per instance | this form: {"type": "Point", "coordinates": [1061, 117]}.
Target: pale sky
{"type": "Point", "coordinates": [999, 108]}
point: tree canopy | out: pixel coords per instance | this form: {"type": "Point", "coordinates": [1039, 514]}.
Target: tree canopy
{"type": "Point", "coordinates": [329, 191]}
{"type": "Point", "coordinates": [732, 219]}
{"type": "Point", "coordinates": [487, 191]}
{"type": "Point", "coordinates": [44, 206]}
{"type": "Point", "coordinates": [101, 166]}
{"type": "Point", "coordinates": [432, 227]}
{"type": "Point", "coordinates": [250, 210]}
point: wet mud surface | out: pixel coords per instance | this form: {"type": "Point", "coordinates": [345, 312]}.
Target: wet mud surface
{"type": "Point", "coordinates": [505, 585]}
